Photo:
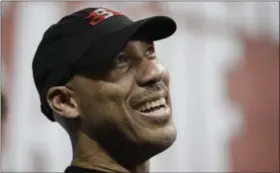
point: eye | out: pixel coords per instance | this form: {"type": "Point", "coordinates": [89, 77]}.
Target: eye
{"type": "Point", "coordinates": [121, 60]}
{"type": "Point", "coordinates": [150, 52]}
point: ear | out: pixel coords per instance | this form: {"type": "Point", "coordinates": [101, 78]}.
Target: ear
{"type": "Point", "coordinates": [61, 101]}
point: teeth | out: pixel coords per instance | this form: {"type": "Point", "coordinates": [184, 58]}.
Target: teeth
{"type": "Point", "coordinates": [162, 101]}
{"type": "Point", "coordinates": [157, 103]}
{"type": "Point", "coordinates": [152, 104]}
{"type": "Point", "coordinates": [148, 105]}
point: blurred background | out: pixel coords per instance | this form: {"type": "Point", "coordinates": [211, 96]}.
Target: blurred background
{"type": "Point", "coordinates": [224, 66]}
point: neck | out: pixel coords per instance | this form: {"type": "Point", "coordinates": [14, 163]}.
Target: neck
{"type": "Point", "coordinates": [88, 154]}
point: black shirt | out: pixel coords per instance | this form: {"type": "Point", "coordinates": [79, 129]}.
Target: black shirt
{"type": "Point", "coordinates": [74, 169]}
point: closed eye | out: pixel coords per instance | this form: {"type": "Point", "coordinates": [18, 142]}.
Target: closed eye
{"type": "Point", "coordinates": [150, 52]}
{"type": "Point", "coordinates": [121, 61]}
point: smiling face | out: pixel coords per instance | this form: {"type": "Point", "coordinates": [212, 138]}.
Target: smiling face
{"type": "Point", "coordinates": [127, 104]}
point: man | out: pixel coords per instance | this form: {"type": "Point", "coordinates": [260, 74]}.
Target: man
{"type": "Point", "coordinates": [98, 76]}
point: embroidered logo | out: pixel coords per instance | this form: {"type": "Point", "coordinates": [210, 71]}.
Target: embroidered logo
{"type": "Point", "coordinates": [101, 14]}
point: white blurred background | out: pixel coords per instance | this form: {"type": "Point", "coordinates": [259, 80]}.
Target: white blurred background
{"type": "Point", "coordinates": [224, 66]}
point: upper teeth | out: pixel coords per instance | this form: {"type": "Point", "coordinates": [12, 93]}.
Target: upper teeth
{"type": "Point", "coordinates": [152, 104]}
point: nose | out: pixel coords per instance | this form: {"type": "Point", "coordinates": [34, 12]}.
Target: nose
{"type": "Point", "coordinates": [149, 73]}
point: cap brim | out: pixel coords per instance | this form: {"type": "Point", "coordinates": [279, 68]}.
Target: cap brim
{"type": "Point", "coordinates": [153, 29]}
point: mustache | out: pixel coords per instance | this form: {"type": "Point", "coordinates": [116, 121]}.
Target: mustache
{"type": "Point", "coordinates": [148, 91]}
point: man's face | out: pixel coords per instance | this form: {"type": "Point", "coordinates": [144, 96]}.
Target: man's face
{"type": "Point", "coordinates": [130, 102]}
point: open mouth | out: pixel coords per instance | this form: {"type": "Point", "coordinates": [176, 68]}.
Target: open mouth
{"type": "Point", "coordinates": [152, 106]}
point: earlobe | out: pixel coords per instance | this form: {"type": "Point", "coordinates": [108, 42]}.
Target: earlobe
{"type": "Point", "coordinates": [61, 101]}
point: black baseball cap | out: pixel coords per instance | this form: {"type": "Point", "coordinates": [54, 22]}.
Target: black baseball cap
{"type": "Point", "coordinates": [88, 37]}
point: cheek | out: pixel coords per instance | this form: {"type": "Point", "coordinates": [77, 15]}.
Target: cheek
{"type": "Point", "coordinates": [103, 102]}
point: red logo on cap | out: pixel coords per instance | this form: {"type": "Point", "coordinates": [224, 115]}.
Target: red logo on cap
{"type": "Point", "coordinates": [101, 14]}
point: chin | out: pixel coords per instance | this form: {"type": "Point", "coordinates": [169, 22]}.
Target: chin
{"type": "Point", "coordinates": [152, 123]}
{"type": "Point", "coordinates": [159, 131]}
{"type": "Point", "coordinates": [162, 137]}
{"type": "Point", "coordinates": [153, 141]}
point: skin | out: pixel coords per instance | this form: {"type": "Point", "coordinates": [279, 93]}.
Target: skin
{"type": "Point", "coordinates": [96, 108]}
